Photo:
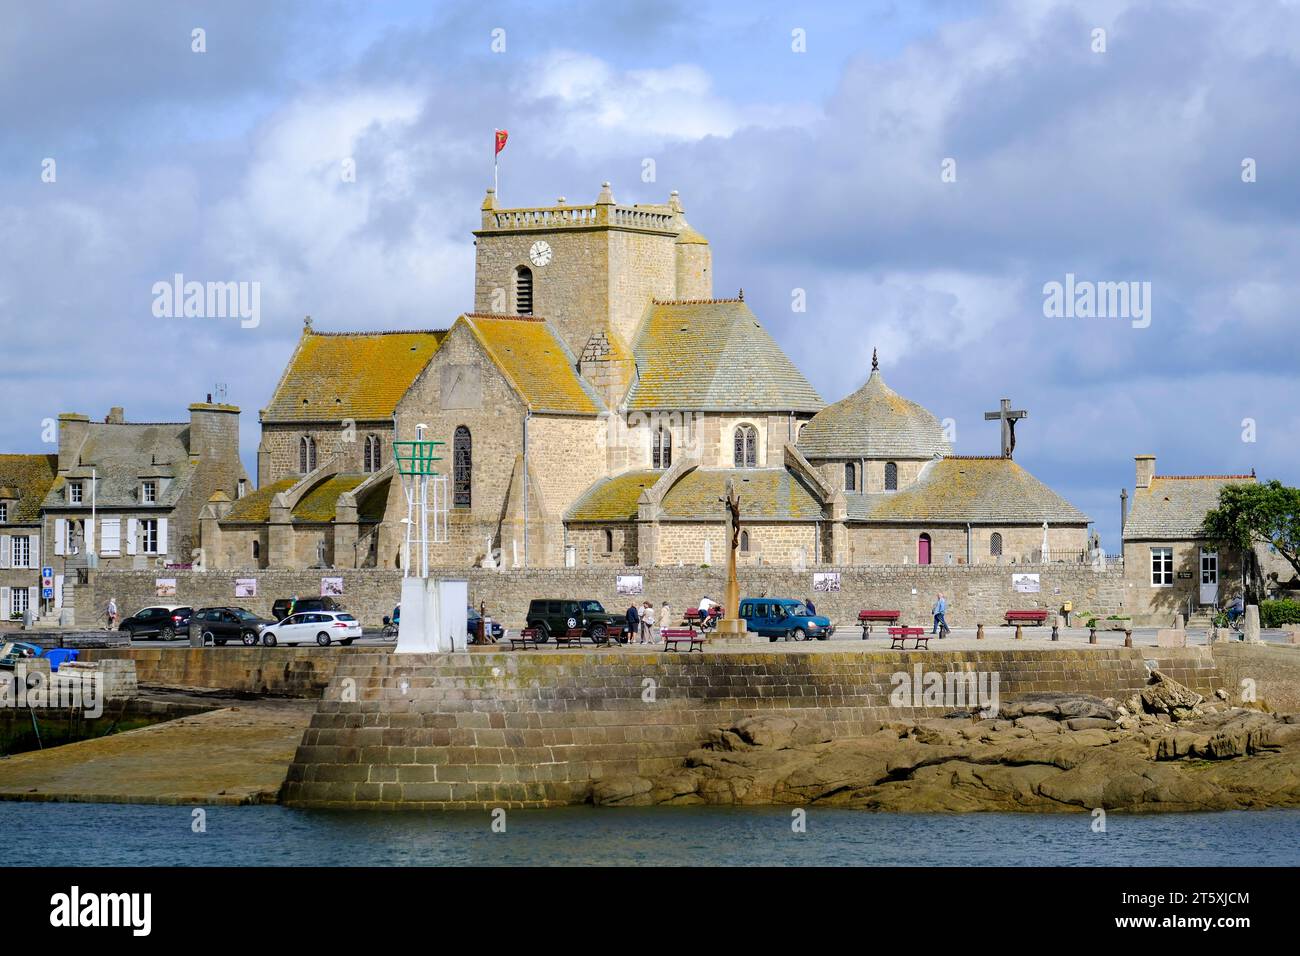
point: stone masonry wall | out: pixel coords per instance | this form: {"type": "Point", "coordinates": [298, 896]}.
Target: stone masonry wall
{"type": "Point", "coordinates": [976, 594]}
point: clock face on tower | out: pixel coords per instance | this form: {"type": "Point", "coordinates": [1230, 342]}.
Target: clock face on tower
{"type": "Point", "coordinates": [540, 253]}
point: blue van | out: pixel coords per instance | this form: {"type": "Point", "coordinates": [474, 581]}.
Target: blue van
{"type": "Point", "coordinates": [784, 617]}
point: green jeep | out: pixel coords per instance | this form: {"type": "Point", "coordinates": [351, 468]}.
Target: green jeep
{"type": "Point", "coordinates": [557, 617]}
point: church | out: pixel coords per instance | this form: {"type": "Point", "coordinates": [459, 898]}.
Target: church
{"type": "Point", "coordinates": [593, 405]}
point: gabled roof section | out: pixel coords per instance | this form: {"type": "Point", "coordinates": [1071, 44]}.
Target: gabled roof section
{"type": "Point", "coordinates": [255, 507]}
{"type": "Point", "coordinates": [766, 494]}
{"type": "Point", "coordinates": [25, 480]}
{"type": "Point", "coordinates": [121, 454]}
{"type": "Point", "coordinates": [714, 355]}
{"type": "Point", "coordinates": [613, 499]}
{"type": "Point", "coordinates": [536, 362]}
{"type": "Point", "coordinates": [357, 375]}
{"type": "Point", "coordinates": [1174, 506]}
{"type": "Point", "coordinates": [975, 489]}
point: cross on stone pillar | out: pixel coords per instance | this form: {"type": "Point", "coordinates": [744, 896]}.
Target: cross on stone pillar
{"type": "Point", "coordinates": [1008, 418]}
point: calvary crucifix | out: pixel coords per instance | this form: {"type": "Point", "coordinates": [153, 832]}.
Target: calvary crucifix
{"type": "Point", "coordinates": [1009, 419]}
{"type": "Point", "coordinates": [731, 599]}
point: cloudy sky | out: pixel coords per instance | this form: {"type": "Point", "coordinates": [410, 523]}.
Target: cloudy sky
{"type": "Point", "coordinates": [819, 169]}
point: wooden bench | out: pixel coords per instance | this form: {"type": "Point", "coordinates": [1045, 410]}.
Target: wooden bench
{"type": "Point", "coordinates": [868, 618]}
{"type": "Point", "coordinates": [694, 617]}
{"type": "Point", "coordinates": [1026, 617]}
{"type": "Point", "coordinates": [683, 635]}
{"type": "Point", "coordinates": [898, 637]}
{"type": "Point", "coordinates": [572, 637]}
{"type": "Point", "coordinates": [527, 638]}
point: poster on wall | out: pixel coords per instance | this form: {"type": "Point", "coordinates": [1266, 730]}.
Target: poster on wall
{"type": "Point", "coordinates": [1026, 583]}
{"type": "Point", "coordinates": [245, 587]}
{"type": "Point", "coordinates": [826, 581]}
{"type": "Point", "coordinates": [164, 587]}
{"type": "Point", "coordinates": [331, 587]}
{"type": "Point", "coordinates": [630, 584]}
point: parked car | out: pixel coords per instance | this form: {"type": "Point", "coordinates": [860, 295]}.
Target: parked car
{"type": "Point", "coordinates": [557, 617]}
{"type": "Point", "coordinates": [280, 609]}
{"type": "Point", "coordinates": [784, 617]}
{"type": "Point", "coordinates": [163, 621]}
{"type": "Point", "coordinates": [322, 627]}
{"type": "Point", "coordinates": [222, 624]}
{"type": "Point", "coordinates": [472, 618]}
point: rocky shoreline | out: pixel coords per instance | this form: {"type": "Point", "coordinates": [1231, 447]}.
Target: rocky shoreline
{"type": "Point", "coordinates": [1165, 749]}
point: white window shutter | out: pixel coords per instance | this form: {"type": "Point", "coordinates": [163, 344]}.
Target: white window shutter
{"type": "Point", "coordinates": [91, 544]}
{"type": "Point", "coordinates": [5, 552]}
{"type": "Point", "coordinates": [58, 590]}
{"type": "Point", "coordinates": [60, 535]}
{"type": "Point", "coordinates": [5, 607]}
{"type": "Point", "coordinates": [162, 535]}
{"type": "Point", "coordinates": [33, 593]}
{"type": "Point", "coordinates": [130, 535]}
{"type": "Point", "coordinates": [110, 536]}
{"type": "Point", "coordinates": [36, 558]}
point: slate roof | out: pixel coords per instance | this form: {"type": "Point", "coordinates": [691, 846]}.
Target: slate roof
{"type": "Point", "coordinates": [766, 494]}
{"type": "Point", "coordinates": [255, 506]}
{"type": "Point", "coordinates": [317, 506]}
{"type": "Point", "coordinates": [357, 375]}
{"type": "Point", "coordinates": [1174, 506]}
{"type": "Point", "coordinates": [26, 479]}
{"type": "Point", "coordinates": [961, 489]}
{"type": "Point", "coordinates": [714, 355]}
{"type": "Point", "coordinates": [536, 362]}
{"type": "Point", "coordinates": [873, 422]}
{"type": "Point", "coordinates": [123, 453]}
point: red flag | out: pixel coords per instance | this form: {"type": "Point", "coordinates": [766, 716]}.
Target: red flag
{"type": "Point", "coordinates": [502, 136]}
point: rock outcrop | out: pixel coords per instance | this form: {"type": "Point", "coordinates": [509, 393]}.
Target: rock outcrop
{"type": "Point", "coordinates": [1163, 749]}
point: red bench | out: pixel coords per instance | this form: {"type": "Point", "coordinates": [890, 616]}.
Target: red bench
{"type": "Point", "coordinates": [571, 637]}
{"type": "Point", "coordinates": [867, 618]}
{"type": "Point", "coordinates": [683, 635]}
{"type": "Point", "coordinates": [527, 638]}
{"type": "Point", "coordinates": [694, 617]}
{"type": "Point", "coordinates": [1026, 617]}
{"type": "Point", "coordinates": [899, 636]}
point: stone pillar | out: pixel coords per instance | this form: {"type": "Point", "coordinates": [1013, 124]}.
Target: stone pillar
{"type": "Point", "coordinates": [1019, 634]}
{"type": "Point", "coordinates": [1251, 627]}
{"type": "Point", "coordinates": [1128, 638]}
{"type": "Point", "coordinates": [1092, 635]}
{"type": "Point", "coordinates": [979, 632]}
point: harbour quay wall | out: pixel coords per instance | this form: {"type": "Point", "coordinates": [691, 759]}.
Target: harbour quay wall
{"type": "Point", "coordinates": [976, 594]}
{"type": "Point", "coordinates": [299, 672]}
{"type": "Point", "coordinates": [539, 728]}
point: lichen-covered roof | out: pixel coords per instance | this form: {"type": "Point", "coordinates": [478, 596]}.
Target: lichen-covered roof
{"type": "Point", "coordinates": [320, 503]}
{"type": "Point", "coordinates": [1174, 506]}
{"type": "Point", "coordinates": [766, 494]}
{"type": "Point", "coordinates": [873, 422]}
{"type": "Point", "coordinates": [256, 505]}
{"type": "Point", "coordinates": [976, 490]}
{"type": "Point", "coordinates": [121, 455]}
{"type": "Point", "coordinates": [26, 480]}
{"type": "Point", "coordinates": [536, 362]}
{"type": "Point", "coordinates": [714, 355]}
{"type": "Point", "coordinates": [357, 375]}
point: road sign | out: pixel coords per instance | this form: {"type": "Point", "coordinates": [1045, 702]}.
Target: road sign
{"type": "Point", "coordinates": [47, 593]}
{"type": "Point", "coordinates": [47, 572]}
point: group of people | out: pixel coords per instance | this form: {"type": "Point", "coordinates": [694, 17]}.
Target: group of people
{"type": "Point", "coordinates": [642, 622]}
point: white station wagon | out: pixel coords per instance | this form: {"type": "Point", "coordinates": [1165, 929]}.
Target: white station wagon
{"type": "Point", "coordinates": [322, 627]}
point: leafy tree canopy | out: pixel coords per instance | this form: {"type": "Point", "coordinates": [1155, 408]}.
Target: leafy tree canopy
{"type": "Point", "coordinates": [1250, 514]}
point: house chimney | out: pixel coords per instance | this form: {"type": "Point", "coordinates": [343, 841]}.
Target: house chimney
{"type": "Point", "coordinates": [1146, 470]}
{"type": "Point", "coordinates": [116, 416]}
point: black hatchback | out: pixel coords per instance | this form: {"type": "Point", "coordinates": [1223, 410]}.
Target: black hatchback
{"type": "Point", "coordinates": [161, 621]}
{"type": "Point", "coordinates": [222, 624]}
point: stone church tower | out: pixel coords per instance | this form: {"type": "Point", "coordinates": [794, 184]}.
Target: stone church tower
{"type": "Point", "coordinates": [590, 270]}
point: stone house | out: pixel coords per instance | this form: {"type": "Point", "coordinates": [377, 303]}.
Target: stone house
{"type": "Point", "coordinates": [128, 494]}
{"type": "Point", "coordinates": [24, 482]}
{"type": "Point", "coordinates": [1170, 567]}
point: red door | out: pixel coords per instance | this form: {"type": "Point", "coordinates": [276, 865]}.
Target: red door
{"type": "Point", "coordinates": [923, 549]}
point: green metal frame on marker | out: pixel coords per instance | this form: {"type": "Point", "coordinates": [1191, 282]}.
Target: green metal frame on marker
{"type": "Point", "coordinates": [418, 459]}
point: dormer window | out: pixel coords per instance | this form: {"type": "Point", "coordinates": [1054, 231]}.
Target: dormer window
{"type": "Point", "coordinates": [242, 488]}
{"type": "Point", "coordinates": [4, 512]}
{"type": "Point", "coordinates": [149, 492]}
{"type": "Point", "coordinates": [74, 492]}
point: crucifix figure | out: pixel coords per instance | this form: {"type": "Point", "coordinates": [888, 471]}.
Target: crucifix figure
{"type": "Point", "coordinates": [731, 599]}
{"type": "Point", "coordinates": [1009, 419]}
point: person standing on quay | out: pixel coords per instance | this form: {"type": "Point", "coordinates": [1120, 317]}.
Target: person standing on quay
{"type": "Point", "coordinates": [110, 613]}
{"type": "Point", "coordinates": [633, 622]}
{"type": "Point", "coordinates": [665, 618]}
{"type": "Point", "coordinates": [940, 608]}
{"type": "Point", "coordinates": [647, 622]}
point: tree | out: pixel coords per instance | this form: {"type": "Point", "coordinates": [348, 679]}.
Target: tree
{"type": "Point", "coordinates": [1250, 514]}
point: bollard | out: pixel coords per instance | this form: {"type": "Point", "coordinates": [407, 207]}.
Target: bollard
{"type": "Point", "coordinates": [1056, 636]}
{"type": "Point", "coordinates": [1092, 635]}
{"type": "Point", "coordinates": [979, 632]}
{"type": "Point", "coordinates": [1128, 637]}
{"type": "Point", "coordinates": [1018, 634]}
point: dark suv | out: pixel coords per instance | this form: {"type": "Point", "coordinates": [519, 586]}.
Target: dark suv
{"type": "Point", "coordinates": [280, 609]}
{"type": "Point", "coordinates": [161, 620]}
{"type": "Point", "coordinates": [557, 617]}
{"type": "Point", "coordinates": [222, 624]}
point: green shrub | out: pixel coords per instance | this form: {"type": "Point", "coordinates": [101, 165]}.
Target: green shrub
{"type": "Point", "coordinates": [1278, 613]}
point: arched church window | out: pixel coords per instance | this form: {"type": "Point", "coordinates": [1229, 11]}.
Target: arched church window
{"type": "Point", "coordinates": [462, 466]}
{"type": "Point", "coordinates": [891, 476]}
{"type": "Point", "coordinates": [372, 453]}
{"type": "Point", "coordinates": [257, 550]}
{"type": "Point", "coordinates": [746, 451]}
{"type": "Point", "coordinates": [306, 454]}
{"type": "Point", "coordinates": [995, 545]}
{"type": "Point", "coordinates": [744, 541]}
{"type": "Point", "coordinates": [609, 541]}
{"type": "Point", "coordinates": [523, 291]}
{"type": "Point", "coordinates": [850, 477]}
{"type": "Point", "coordinates": [662, 450]}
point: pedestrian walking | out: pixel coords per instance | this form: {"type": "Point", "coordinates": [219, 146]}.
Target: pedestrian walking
{"type": "Point", "coordinates": [665, 618]}
{"type": "Point", "coordinates": [110, 613]}
{"type": "Point", "coordinates": [940, 623]}
{"type": "Point", "coordinates": [647, 623]}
